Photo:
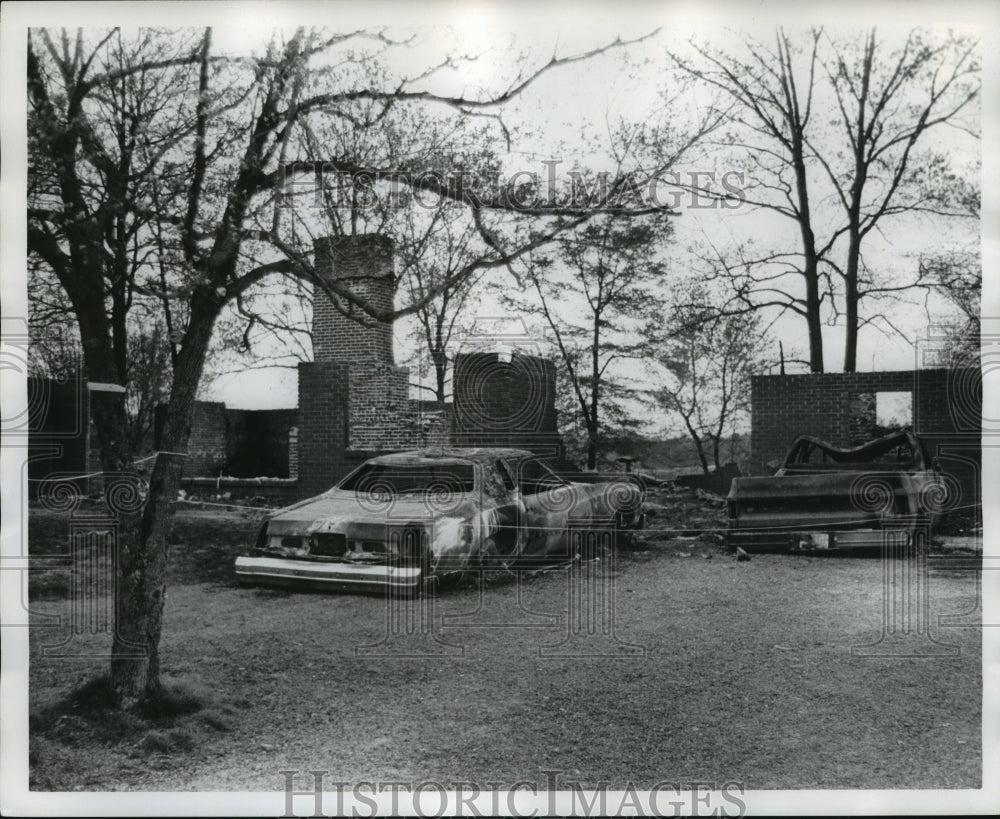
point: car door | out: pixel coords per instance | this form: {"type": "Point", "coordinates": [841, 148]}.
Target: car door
{"type": "Point", "coordinates": [547, 500]}
{"type": "Point", "coordinates": [502, 500]}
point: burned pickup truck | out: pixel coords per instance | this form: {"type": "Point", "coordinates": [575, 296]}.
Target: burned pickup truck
{"type": "Point", "coordinates": [823, 497]}
{"type": "Point", "coordinates": [400, 519]}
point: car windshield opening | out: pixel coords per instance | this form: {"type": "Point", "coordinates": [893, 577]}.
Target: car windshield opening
{"type": "Point", "coordinates": [401, 479]}
{"type": "Point", "coordinates": [535, 477]}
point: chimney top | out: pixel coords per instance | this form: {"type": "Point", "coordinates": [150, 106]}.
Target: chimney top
{"type": "Point", "coordinates": [367, 261]}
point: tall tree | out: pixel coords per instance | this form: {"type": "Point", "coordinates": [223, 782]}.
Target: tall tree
{"type": "Point", "coordinates": [772, 92]}
{"type": "Point", "coordinates": [887, 104]}
{"type": "Point", "coordinates": [593, 294]}
{"type": "Point", "coordinates": [864, 157]}
{"type": "Point", "coordinates": [702, 368]}
{"type": "Point", "coordinates": [152, 138]}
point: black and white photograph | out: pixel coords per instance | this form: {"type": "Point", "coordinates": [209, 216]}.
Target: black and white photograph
{"type": "Point", "coordinates": [499, 409]}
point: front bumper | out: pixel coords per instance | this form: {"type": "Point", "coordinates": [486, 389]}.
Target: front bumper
{"type": "Point", "coordinates": [277, 571]}
{"type": "Point", "coordinates": [757, 540]}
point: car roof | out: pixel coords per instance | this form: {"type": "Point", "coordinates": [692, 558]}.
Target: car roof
{"type": "Point", "coordinates": [451, 455]}
{"type": "Point", "coordinates": [868, 451]}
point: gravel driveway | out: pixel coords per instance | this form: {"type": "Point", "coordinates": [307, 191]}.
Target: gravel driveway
{"type": "Point", "coordinates": [673, 662]}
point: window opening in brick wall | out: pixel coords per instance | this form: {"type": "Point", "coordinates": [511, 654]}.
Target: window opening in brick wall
{"type": "Point", "coordinates": [874, 414]}
{"type": "Point", "coordinates": [894, 409]}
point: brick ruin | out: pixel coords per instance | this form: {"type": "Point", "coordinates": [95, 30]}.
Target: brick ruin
{"type": "Point", "coordinates": [379, 413]}
{"type": "Point", "coordinates": [354, 401]}
{"type": "Point", "coordinates": [238, 442]}
{"type": "Point", "coordinates": [507, 400]}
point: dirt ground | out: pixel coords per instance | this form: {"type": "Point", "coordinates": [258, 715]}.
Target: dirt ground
{"type": "Point", "coordinates": [667, 661]}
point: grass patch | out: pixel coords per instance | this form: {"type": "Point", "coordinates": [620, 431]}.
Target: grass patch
{"type": "Point", "coordinates": [215, 720]}
{"type": "Point", "coordinates": [173, 720]}
{"type": "Point", "coordinates": [174, 699]}
{"type": "Point", "coordinates": [170, 741]}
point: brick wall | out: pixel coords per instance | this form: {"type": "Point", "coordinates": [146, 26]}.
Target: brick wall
{"type": "Point", "coordinates": [354, 402]}
{"type": "Point", "coordinates": [379, 403]}
{"type": "Point", "coordinates": [207, 444]}
{"type": "Point", "coordinates": [365, 264]}
{"type": "Point", "coordinates": [947, 406]}
{"type": "Point", "coordinates": [235, 442]}
{"type": "Point", "coordinates": [505, 401]}
{"type": "Point", "coordinates": [379, 417]}
{"type": "Point", "coordinates": [293, 450]}
{"type": "Point", "coordinates": [324, 395]}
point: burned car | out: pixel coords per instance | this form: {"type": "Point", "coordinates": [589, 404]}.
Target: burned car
{"type": "Point", "coordinates": [402, 518]}
{"type": "Point", "coordinates": [824, 497]}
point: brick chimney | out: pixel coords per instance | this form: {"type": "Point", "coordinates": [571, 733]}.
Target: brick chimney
{"type": "Point", "coordinates": [365, 264]}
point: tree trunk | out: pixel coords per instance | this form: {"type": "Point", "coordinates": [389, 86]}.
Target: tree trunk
{"type": "Point", "coordinates": [698, 445]}
{"type": "Point", "coordinates": [593, 426]}
{"type": "Point", "coordinates": [591, 447]}
{"type": "Point", "coordinates": [142, 554]}
{"type": "Point", "coordinates": [811, 269]}
{"type": "Point", "coordinates": [814, 322]}
{"type": "Point", "coordinates": [108, 413]}
{"type": "Point", "coordinates": [851, 304]}
{"type": "Point", "coordinates": [702, 457]}
{"type": "Point", "coordinates": [141, 590]}
{"type": "Point", "coordinates": [854, 212]}
{"type": "Point", "coordinates": [440, 361]}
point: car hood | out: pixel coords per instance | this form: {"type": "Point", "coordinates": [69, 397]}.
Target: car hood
{"type": "Point", "coordinates": [341, 511]}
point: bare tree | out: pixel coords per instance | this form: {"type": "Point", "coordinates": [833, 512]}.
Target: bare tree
{"type": "Point", "coordinates": [887, 104]}
{"type": "Point", "coordinates": [884, 102]}
{"type": "Point", "coordinates": [446, 245]}
{"type": "Point", "coordinates": [156, 134]}
{"type": "Point", "coordinates": [705, 363]}
{"type": "Point", "coordinates": [957, 275]}
{"type": "Point", "coordinates": [599, 284]}
{"type": "Point", "coordinates": [772, 92]}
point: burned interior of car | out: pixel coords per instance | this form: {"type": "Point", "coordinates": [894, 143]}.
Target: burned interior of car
{"type": "Point", "coordinates": [900, 450]}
